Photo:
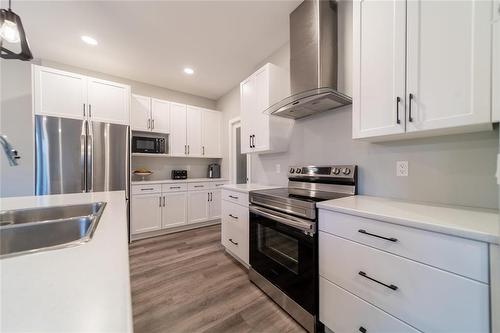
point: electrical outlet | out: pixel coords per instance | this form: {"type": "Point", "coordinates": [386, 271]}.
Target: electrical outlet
{"type": "Point", "coordinates": [278, 168]}
{"type": "Point", "coordinates": [402, 168]}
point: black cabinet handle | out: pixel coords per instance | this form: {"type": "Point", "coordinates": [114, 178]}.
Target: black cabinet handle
{"type": "Point", "coordinates": [362, 329]}
{"type": "Point", "coordinates": [390, 286]}
{"type": "Point", "coordinates": [390, 239]}
{"type": "Point", "coordinates": [199, 186]}
{"type": "Point", "coordinates": [410, 118]}
{"type": "Point", "coordinates": [233, 241]}
{"type": "Point", "coordinates": [233, 197]}
{"type": "Point", "coordinates": [398, 100]}
{"type": "Point", "coordinates": [250, 141]}
{"type": "Point", "coordinates": [172, 187]}
{"type": "Point", "coordinates": [234, 217]}
{"type": "Point", "coordinates": [253, 141]}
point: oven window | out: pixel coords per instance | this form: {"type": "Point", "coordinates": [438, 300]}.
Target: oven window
{"type": "Point", "coordinates": [279, 247]}
{"type": "Point", "coordinates": [145, 144]}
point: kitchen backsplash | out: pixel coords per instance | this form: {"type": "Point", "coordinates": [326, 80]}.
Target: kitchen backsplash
{"type": "Point", "coordinates": [162, 167]}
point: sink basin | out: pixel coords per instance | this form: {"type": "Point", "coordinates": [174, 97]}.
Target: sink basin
{"type": "Point", "coordinates": [30, 230]}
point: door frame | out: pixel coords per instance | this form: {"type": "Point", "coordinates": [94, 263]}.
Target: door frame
{"type": "Point", "coordinates": [233, 125]}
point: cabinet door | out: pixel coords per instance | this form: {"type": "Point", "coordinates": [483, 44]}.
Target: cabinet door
{"type": "Point", "coordinates": [194, 131]}
{"type": "Point", "coordinates": [160, 111]}
{"type": "Point", "coordinates": [109, 102]}
{"type": "Point", "coordinates": [174, 210]}
{"type": "Point", "coordinates": [449, 63]}
{"type": "Point", "coordinates": [379, 67]}
{"type": "Point", "coordinates": [211, 131]}
{"type": "Point", "coordinates": [198, 210]}
{"type": "Point", "coordinates": [248, 100]}
{"type": "Point", "coordinates": [145, 213]}
{"type": "Point", "coordinates": [215, 204]}
{"type": "Point", "coordinates": [261, 140]}
{"type": "Point", "coordinates": [178, 129]}
{"type": "Point", "coordinates": [58, 93]}
{"type": "Point", "coordinates": [496, 66]}
{"type": "Point", "coordinates": [140, 113]}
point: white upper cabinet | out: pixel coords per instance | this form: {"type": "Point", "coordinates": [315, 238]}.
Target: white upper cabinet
{"type": "Point", "coordinates": [262, 133]}
{"type": "Point", "coordinates": [140, 113]}
{"type": "Point", "coordinates": [177, 138]}
{"type": "Point", "coordinates": [108, 101]}
{"type": "Point", "coordinates": [448, 70]}
{"type": "Point", "coordinates": [379, 68]}
{"type": "Point", "coordinates": [58, 93]}
{"type": "Point", "coordinates": [193, 131]}
{"type": "Point", "coordinates": [160, 116]}
{"type": "Point", "coordinates": [496, 62]}
{"type": "Point", "coordinates": [65, 94]}
{"type": "Point", "coordinates": [424, 63]}
{"type": "Point", "coordinates": [211, 133]}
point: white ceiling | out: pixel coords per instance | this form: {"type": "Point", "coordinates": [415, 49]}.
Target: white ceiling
{"type": "Point", "coordinates": [152, 41]}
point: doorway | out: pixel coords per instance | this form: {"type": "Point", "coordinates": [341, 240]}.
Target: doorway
{"type": "Point", "coordinates": [239, 163]}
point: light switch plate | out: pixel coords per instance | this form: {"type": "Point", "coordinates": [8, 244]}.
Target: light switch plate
{"type": "Point", "coordinates": [402, 168]}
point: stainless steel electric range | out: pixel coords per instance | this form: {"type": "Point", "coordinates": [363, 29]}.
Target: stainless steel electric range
{"type": "Point", "coordinates": [284, 239]}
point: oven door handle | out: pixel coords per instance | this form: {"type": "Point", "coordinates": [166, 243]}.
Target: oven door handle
{"type": "Point", "coordinates": [290, 221]}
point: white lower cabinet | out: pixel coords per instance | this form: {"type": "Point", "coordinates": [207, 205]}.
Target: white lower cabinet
{"type": "Point", "coordinates": [145, 213]}
{"type": "Point", "coordinates": [342, 311]}
{"type": "Point", "coordinates": [174, 209]}
{"type": "Point", "coordinates": [198, 206]}
{"type": "Point", "coordinates": [235, 227]}
{"type": "Point", "coordinates": [384, 284]}
{"type": "Point", "coordinates": [159, 207]}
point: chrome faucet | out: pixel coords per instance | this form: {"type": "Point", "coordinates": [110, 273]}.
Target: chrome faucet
{"type": "Point", "coordinates": [9, 151]}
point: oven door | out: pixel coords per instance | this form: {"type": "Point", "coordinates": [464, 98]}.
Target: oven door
{"type": "Point", "coordinates": [283, 250]}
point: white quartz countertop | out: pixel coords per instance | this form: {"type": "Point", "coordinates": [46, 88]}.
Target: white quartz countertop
{"type": "Point", "coordinates": [245, 188]}
{"type": "Point", "coordinates": [85, 288]}
{"type": "Point", "coordinates": [478, 224]}
{"type": "Point", "coordinates": [172, 181]}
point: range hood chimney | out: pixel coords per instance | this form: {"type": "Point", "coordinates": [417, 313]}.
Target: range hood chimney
{"type": "Point", "coordinates": [313, 62]}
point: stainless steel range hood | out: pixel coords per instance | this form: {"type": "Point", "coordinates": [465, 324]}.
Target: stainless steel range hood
{"type": "Point", "coordinates": [313, 62]}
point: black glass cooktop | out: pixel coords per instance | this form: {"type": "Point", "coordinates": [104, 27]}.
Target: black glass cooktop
{"type": "Point", "coordinates": [302, 194]}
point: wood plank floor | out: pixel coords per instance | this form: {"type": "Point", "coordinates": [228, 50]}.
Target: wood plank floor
{"type": "Point", "coordinates": [185, 282]}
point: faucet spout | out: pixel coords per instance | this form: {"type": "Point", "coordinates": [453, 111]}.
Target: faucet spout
{"type": "Point", "coordinates": [10, 152]}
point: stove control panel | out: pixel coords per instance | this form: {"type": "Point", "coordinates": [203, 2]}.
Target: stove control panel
{"type": "Point", "coordinates": [331, 171]}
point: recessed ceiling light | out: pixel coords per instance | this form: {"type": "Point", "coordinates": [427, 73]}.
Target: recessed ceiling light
{"type": "Point", "coordinates": [188, 71]}
{"type": "Point", "coordinates": [89, 40]}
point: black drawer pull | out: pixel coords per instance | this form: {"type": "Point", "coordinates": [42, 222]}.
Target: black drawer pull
{"type": "Point", "coordinates": [233, 197]}
{"type": "Point", "coordinates": [199, 186]}
{"type": "Point", "coordinates": [172, 187]}
{"type": "Point", "coordinates": [391, 239]}
{"type": "Point", "coordinates": [234, 217]}
{"type": "Point", "coordinates": [390, 286]}
{"type": "Point", "coordinates": [362, 329]}
{"type": "Point", "coordinates": [233, 241]}
{"type": "Point", "coordinates": [147, 189]}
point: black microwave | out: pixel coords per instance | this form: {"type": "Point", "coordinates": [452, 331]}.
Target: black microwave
{"type": "Point", "coordinates": [145, 144]}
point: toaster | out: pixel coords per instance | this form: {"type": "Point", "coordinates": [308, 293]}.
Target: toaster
{"type": "Point", "coordinates": [179, 174]}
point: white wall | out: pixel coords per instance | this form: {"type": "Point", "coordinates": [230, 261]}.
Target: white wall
{"type": "Point", "coordinates": [456, 169]}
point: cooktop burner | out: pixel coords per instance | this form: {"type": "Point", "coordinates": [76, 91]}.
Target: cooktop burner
{"type": "Point", "coordinates": [306, 187]}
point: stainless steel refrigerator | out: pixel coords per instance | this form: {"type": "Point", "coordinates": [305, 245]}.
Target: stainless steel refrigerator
{"type": "Point", "coordinates": [75, 156]}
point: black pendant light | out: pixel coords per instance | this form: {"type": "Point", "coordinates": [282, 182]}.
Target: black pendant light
{"type": "Point", "coordinates": [12, 31]}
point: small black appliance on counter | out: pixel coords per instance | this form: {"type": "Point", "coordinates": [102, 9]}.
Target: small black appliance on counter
{"type": "Point", "coordinates": [179, 174]}
{"type": "Point", "coordinates": [213, 170]}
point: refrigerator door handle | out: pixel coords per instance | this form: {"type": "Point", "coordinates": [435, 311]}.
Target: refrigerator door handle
{"type": "Point", "coordinates": [90, 157]}
{"type": "Point", "coordinates": [83, 155]}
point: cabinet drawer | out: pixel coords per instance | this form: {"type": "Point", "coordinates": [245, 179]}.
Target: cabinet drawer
{"type": "Point", "coordinates": [144, 189]}
{"type": "Point", "coordinates": [236, 197]}
{"type": "Point", "coordinates": [341, 311]}
{"type": "Point", "coordinates": [198, 186]}
{"type": "Point", "coordinates": [235, 240]}
{"type": "Point", "coordinates": [236, 215]}
{"type": "Point", "coordinates": [458, 255]}
{"type": "Point", "coordinates": [218, 184]}
{"type": "Point", "coordinates": [174, 187]}
{"type": "Point", "coordinates": [426, 298]}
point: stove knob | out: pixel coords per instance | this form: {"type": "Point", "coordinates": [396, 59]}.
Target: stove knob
{"type": "Point", "coordinates": [299, 170]}
{"type": "Point", "coordinates": [292, 170]}
{"type": "Point", "coordinates": [336, 171]}
{"type": "Point", "coordinates": [346, 171]}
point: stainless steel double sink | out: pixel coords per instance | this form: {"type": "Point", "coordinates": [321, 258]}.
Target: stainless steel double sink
{"type": "Point", "coordinates": [24, 231]}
